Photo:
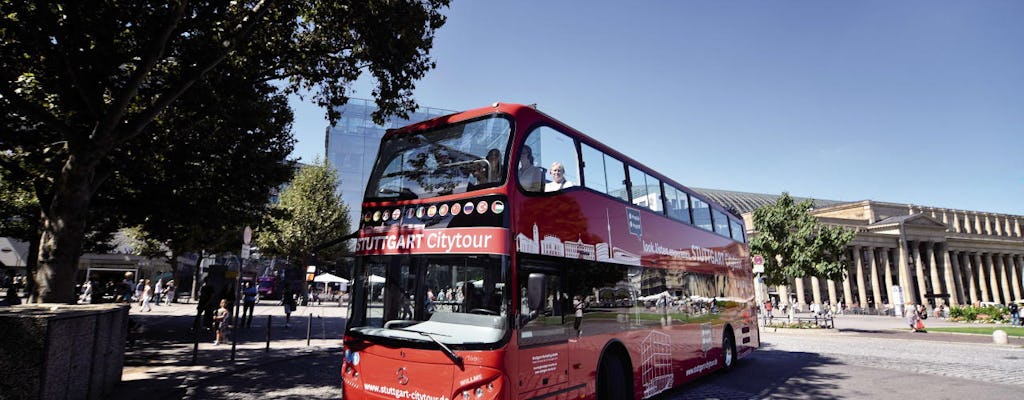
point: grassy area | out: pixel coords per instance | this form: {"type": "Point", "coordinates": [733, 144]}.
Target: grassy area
{"type": "Point", "coordinates": [981, 330]}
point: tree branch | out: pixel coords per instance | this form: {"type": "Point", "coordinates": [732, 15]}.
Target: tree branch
{"type": "Point", "coordinates": [152, 54]}
{"type": "Point", "coordinates": [243, 30]}
{"type": "Point", "coordinates": [36, 112]}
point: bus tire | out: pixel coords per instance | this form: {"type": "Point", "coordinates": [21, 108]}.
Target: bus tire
{"type": "Point", "coordinates": [728, 351]}
{"type": "Point", "coordinates": [614, 381]}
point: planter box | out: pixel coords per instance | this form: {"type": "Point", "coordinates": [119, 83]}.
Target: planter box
{"type": "Point", "coordinates": [61, 351]}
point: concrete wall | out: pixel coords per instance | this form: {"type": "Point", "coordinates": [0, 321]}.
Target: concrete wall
{"type": "Point", "coordinates": [59, 351]}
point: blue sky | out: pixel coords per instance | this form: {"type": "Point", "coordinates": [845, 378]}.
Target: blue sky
{"type": "Point", "coordinates": [916, 102]}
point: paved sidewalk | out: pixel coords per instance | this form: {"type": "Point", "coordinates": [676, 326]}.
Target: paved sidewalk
{"type": "Point", "coordinates": [160, 364]}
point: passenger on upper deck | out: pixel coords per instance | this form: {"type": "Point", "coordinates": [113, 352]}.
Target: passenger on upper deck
{"type": "Point", "coordinates": [558, 181]}
{"type": "Point", "coordinates": [491, 172]}
{"type": "Point", "coordinates": [530, 176]}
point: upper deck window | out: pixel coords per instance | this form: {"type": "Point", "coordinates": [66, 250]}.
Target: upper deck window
{"type": "Point", "coordinates": [701, 213]}
{"type": "Point", "coordinates": [450, 159]}
{"type": "Point", "coordinates": [548, 161]}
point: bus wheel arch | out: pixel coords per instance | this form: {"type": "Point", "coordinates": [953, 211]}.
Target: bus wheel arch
{"type": "Point", "coordinates": [614, 372]}
{"type": "Point", "coordinates": [729, 357]}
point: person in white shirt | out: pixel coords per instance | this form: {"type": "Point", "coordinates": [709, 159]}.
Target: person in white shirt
{"type": "Point", "coordinates": [558, 181]}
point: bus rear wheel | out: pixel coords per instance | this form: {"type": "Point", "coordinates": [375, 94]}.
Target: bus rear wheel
{"type": "Point", "coordinates": [613, 380]}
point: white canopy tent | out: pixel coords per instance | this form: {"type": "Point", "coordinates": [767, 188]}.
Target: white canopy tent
{"type": "Point", "coordinates": [327, 277]}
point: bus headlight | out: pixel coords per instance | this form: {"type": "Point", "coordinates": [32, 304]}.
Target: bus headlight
{"type": "Point", "coordinates": [352, 357]}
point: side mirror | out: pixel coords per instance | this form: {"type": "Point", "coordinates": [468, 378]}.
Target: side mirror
{"type": "Point", "coordinates": [537, 291]}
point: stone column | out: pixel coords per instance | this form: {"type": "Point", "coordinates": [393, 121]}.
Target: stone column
{"type": "Point", "coordinates": [972, 278]}
{"type": "Point", "coordinates": [982, 277]}
{"type": "Point", "coordinates": [956, 223]}
{"type": "Point", "coordinates": [1014, 277]}
{"type": "Point", "coordinates": [888, 276]}
{"type": "Point", "coordinates": [977, 224]}
{"type": "Point", "coordinates": [815, 290]}
{"type": "Point", "coordinates": [862, 294]}
{"type": "Point", "coordinates": [958, 279]}
{"type": "Point", "coordinates": [847, 289]}
{"type": "Point", "coordinates": [831, 292]}
{"type": "Point", "coordinates": [933, 270]}
{"type": "Point", "coordinates": [798, 285]}
{"type": "Point", "coordinates": [922, 285]}
{"type": "Point", "coordinates": [998, 222]}
{"type": "Point", "coordinates": [1018, 262]}
{"type": "Point", "coordinates": [947, 268]}
{"type": "Point", "coordinates": [1016, 227]}
{"type": "Point", "coordinates": [876, 293]}
{"type": "Point", "coordinates": [783, 294]}
{"type": "Point", "coordinates": [904, 272]}
{"type": "Point", "coordinates": [1004, 281]}
{"type": "Point", "coordinates": [988, 225]}
{"type": "Point", "coordinates": [993, 278]}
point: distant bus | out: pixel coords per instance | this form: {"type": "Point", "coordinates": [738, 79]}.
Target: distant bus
{"type": "Point", "coordinates": [481, 274]}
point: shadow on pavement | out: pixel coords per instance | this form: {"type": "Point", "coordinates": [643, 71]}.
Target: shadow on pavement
{"type": "Point", "coordinates": [779, 374]}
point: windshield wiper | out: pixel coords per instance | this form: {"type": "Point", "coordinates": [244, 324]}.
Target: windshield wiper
{"type": "Point", "coordinates": [444, 349]}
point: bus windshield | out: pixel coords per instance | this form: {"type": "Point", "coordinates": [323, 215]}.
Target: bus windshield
{"type": "Point", "coordinates": [452, 159]}
{"type": "Point", "coordinates": [456, 300]}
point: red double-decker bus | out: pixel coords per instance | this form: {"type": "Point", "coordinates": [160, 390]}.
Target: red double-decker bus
{"type": "Point", "coordinates": [504, 255]}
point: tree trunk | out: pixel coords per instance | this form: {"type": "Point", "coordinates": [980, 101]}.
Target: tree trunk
{"type": "Point", "coordinates": [63, 229]}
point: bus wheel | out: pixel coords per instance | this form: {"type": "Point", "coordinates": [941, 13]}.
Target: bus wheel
{"type": "Point", "coordinates": [728, 351]}
{"type": "Point", "coordinates": [613, 381]}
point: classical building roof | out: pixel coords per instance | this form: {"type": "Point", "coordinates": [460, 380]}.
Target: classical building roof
{"type": "Point", "coordinates": [745, 202]}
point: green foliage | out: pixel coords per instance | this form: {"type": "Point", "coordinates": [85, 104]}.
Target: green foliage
{"type": "Point", "coordinates": [980, 314]}
{"type": "Point", "coordinates": [797, 324]}
{"type": "Point", "coordinates": [310, 212]}
{"type": "Point", "coordinates": [19, 210]}
{"type": "Point", "coordinates": [806, 247]}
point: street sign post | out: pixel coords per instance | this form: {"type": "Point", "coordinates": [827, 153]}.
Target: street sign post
{"type": "Point", "coordinates": [758, 269]}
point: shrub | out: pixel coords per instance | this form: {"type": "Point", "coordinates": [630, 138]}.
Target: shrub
{"type": "Point", "coordinates": [972, 313]}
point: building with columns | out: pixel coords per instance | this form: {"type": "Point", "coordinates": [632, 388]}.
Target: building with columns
{"type": "Point", "coordinates": [935, 255]}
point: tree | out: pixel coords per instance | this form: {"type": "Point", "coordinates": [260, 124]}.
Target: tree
{"type": "Point", "coordinates": [787, 231]}
{"type": "Point", "coordinates": [310, 212]}
{"type": "Point", "coordinates": [79, 80]}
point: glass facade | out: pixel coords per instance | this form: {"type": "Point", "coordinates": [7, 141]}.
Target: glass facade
{"type": "Point", "coordinates": [351, 147]}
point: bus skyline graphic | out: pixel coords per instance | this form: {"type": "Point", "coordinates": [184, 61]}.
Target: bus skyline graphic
{"type": "Point", "coordinates": [656, 367]}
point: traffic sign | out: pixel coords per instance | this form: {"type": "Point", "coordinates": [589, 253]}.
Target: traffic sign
{"type": "Point", "coordinates": [758, 263]}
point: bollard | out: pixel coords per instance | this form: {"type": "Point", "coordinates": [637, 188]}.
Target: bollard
{"type": "Point", "coordinates": [999, 336]}
{"type": "Point", "coordinates": [268, 335]}
{"type": "Point", "coordinates": [309, 328]}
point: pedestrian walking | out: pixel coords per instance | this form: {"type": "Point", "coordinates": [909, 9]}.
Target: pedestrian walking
{"type": "Point", "coordinates": [248, 304]}
{"type": "Point", "coordinates": [1014, 313]}
{"type": "Point", "coordinates": [145, 296]}
{"type": "Point", "coordinates": [169, 292]}
{"type": "Point", "coordinates": [578, 305]}
{"type": "Point", "coordinates": [288, 300]}
{"type": "Point", "coordinates": [158, 291]}
{"type": "Point", "coordinates": [204, 307]}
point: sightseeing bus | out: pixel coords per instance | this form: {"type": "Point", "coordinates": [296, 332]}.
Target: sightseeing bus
{"type": "Point", "coordinates": [504, 255]}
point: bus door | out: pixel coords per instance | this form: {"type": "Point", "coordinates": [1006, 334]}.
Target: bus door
{"type": "Point", "coordinates": [544, 321]}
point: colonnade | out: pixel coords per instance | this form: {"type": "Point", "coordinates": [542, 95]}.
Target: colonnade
{"type": "Point", "coordinates": [977, 223]}
{"type": "Point", "coordinates": [928, 272]}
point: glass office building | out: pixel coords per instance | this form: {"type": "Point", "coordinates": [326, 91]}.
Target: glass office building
{"type": "Point", "coordinates": [351, 146]}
